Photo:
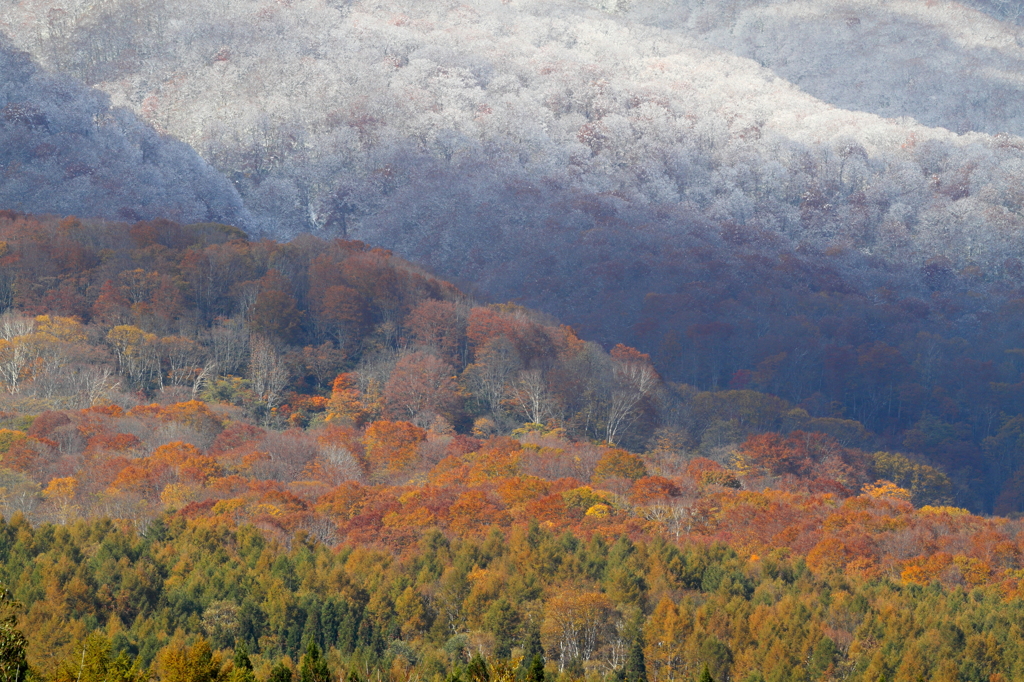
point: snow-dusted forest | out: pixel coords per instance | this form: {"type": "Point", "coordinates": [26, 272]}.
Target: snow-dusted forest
{"type": "Point", "coordinates": [523, 146]}
{"type": "Point", "coordinates": [64, 150]}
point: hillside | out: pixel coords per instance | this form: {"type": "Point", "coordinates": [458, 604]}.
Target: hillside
{"type": "Point", "coordinates": [188, 310]}
{"type": "Point", "coordinates": [227, 459]}
{"type": "Point", "coordinates": [634, 171]}
{"type": "Point", "coordinates": [782, 439]}
{"type": "Point", "coordinates": [65, 150]}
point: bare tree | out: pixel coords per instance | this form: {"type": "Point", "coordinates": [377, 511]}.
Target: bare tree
{"type": "Point", "coordinates": [633, 379]}
{"type": "Point", "coordinates": [530, 397]}
{"type": "Point", "coordinates": [268, 374]}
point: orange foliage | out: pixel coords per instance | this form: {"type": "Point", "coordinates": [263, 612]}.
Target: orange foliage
{"type": "Point", "coordinates": [520, 490]}
{"type": "Point", "coordinates": [771, 454]}
{"type": "Point", "coordinates": [451, 470]}
{"type": "Point", "coordinates": [391, 446]}
{"type": "Point", "coordinates": [194, 413]}
{"type": "Point", "coordinates": [346, 402]}
{"type": "Point", "coordinates": [650, 489]}
{"type": "Point", "coordinates": [473, 512]}
{"type": "Point", "coordinates": [117, 442]}
{"type": "Point", "coordinates": [200, 469]}
{"type": "Point", "coordinates": [174, 454]}
{"type": "Point", "coordinates": [499, 458]}
{"type": "Point", "coordinates": [616, 463]}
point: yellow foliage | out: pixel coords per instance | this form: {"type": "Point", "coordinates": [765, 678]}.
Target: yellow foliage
{"type": "Point", "coordinates": [177, 495]}
{"type": "Point", "coordinates": [975, 571]}
{"type": "Point", "coordinates": [61, 328]}
{"type": "Point", "coordinates": [228, 506]}
{"type": "Point", "coordinates": [61, 488]}
{"type": "Point", "coordinates": [484, 427]}
{"type": "Point", "coordinates": [929, 510]}
{"type": "Point", "coordinates": [9, 437]}
{"type": "Point", "coordinates": [584, 497]}
{"type": "Point", "coordinates": [599, 511]}
{"type": "Point", "coordinates": [886, 489]}
{"type": "Point", "coordinates": [268, 509]}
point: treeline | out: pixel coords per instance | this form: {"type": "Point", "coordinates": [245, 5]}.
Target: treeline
{"type": "Point", "coordinates": [235, 459]}
{"type": "Point", "coordinates": [206, 600]}
{"type": "Point", "coordinates": [105, 312]}
{"type": "Point", "coordinates": [301, 333]}
{"type": "Point", "coordinates": [184, 311]}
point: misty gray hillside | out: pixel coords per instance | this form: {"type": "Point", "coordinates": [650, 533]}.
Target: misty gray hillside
{"type": "Point", "coordinates": [64, 150]}
{"type": "Point", "coordinates": [944, 64]}
{"type": "Point", "coordinates": [525, 146]}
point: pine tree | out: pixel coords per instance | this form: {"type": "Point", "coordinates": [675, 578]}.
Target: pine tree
{"type": "Point", "coordinates": [13, 665]}
{"type": "Point", "coordinates": [705, 674]}
{"type": "Point", "coordinates": [636, 667]}
{"type": "Point", "coordinates": [280, 673]}
{"type": "Point", "coordinates": [536, 671]}
{"type": "Point", "coordinates": [314, 666]}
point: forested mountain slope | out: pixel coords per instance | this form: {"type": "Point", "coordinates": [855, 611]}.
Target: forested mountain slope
{"type": "Point", "coordinates": [648, 187]}
{"type": "Point", "coordinates": [580, 158]}
{"type": "Point", "coordinates": [943, 64]}
{"type": "Point", "coordinates": [64, 150]}
{"type": "Point", "coordinates": [335, 109]}
{"type": "Point", "coordinates": [319, 455]}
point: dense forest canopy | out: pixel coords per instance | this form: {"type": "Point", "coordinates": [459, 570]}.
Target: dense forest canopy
{"type": "Point", "coordinates": [201, 310]}
{"type": "Point", "coordinates": [64, 149]}
{"type": "Point", "coordinates": [631, 169]}
{"type": "Point", "coordinates": [232, 459]}
{"type": "Point", "coordinates": [788, 239]}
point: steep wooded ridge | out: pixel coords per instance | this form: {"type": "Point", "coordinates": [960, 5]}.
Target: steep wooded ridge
{"type": "Point", "coordinates": [337, 466]}
{"type": "Point", "coordinates": [63, 150]}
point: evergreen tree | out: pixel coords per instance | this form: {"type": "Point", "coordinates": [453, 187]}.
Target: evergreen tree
{"type": "Point", "coordinates": [314, 666]}
{"type": "Point", "coordinates": [280, 673]}
{"type": "Point", "coordinates": [13, 666]}
{"type": "Point", "coordinates": [476, 669]}
{"type": "Point", "coordinates": [536, 670]}
{"type": "Point", "coordinates": [503, 621]}
{"type": "Point", "coordinates": [635, 669]}
{"type": "Point", "coordinates": [533, 656]}
{"type": "Point", "coordinates": [242, 670]}
{"type": "Point", "coordinates": [705, 674]}
{"type": "Point", "coordinates": [241, 659]}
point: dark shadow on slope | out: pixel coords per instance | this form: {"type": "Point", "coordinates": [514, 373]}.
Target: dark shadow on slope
{"type": "Point", "coordinates": [65, 150]}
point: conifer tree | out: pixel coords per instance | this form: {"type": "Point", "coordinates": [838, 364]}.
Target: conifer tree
{"type": "Point", "coordinates": [314, 666]}
{"type": "Point", "coordinates": [476, 669]}
{"type": "Point", "coordinates": [280, 673]}
{"type": "Point", "coordinates": [635, 669]}
{"type": "Point", "coordinates": [242, 670]}
{"type": "Point", "coordinates": [13, 665]}
{"type": "Point", "coordinates": [536, 671]}
{"type": "Point", "coordinates": [533, 657]}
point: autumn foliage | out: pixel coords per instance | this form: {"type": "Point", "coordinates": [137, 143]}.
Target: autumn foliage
{"type": "Point", "coordinates": [366, 461]}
